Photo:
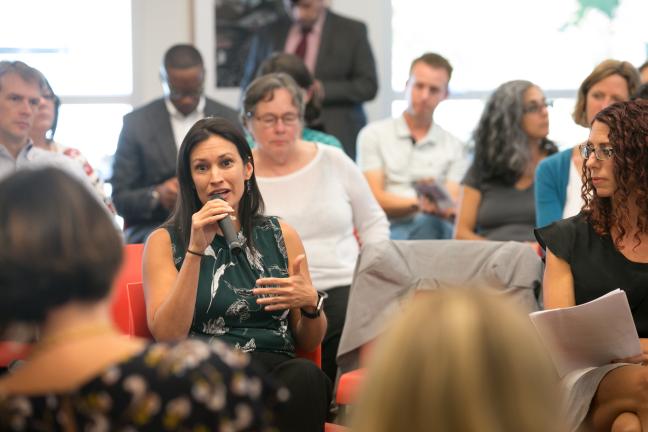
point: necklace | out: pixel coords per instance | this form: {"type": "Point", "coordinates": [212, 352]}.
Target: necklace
{"type": "Point", "coordinates": [75, 334]}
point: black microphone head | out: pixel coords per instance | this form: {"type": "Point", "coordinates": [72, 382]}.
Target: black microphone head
{"type": "Point", "coordinates": [225, 224]}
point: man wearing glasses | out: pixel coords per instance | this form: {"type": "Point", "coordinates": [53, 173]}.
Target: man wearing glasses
{"type": "Point", "coordinates": [412, 165]}
{"type": "Point", "coordinates": [145, 187]}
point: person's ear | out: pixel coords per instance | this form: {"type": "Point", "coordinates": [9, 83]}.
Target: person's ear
{"type": "Point", "coordinates": [249, 169]}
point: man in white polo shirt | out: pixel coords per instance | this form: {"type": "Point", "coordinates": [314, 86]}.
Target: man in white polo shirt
{"type": "Point", "coordinates": [410, 161]}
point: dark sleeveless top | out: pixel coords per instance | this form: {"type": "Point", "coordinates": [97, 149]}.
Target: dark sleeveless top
{"type": "Point", "coordinates": [597, 266]}
{"type": "Point", "coordinates": [226, 309]}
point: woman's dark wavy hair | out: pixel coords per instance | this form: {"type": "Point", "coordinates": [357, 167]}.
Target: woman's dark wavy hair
{"type": "Point", "coordinates": [251, 207]}
{"type": "Point", "coordinates": [59, 245]}
{"type": "Point", "coordinates": [501, 146]}
{"type": "Point", "coordinates": [628, 124]}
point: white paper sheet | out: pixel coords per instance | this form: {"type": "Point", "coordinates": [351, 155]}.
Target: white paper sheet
{"type": "Point", "coordinates": [589, 335]}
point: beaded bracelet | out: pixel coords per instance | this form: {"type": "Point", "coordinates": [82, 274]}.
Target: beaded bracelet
{"type": "Point", "coordinates": [195, 253]}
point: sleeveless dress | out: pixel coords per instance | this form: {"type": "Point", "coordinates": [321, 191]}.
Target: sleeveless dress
{"type": "Point", "coordinates": [225, 308]}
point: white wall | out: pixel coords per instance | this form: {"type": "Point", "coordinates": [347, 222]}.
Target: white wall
{"type": "Point", "coordinates": [158, 24]}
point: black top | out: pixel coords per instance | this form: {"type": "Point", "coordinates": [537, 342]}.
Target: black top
{"type": "Point", "coordinates": [597, 266]}
{"type": "Point", "coordinates": [189, 386]}
{"type": "Point", "coordinates": [505, 212]}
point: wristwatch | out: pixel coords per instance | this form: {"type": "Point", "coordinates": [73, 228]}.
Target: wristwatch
{"type": "Point", "coordinates": [321, 295]}
{"type": "Point", "coordinates": [155, 198]}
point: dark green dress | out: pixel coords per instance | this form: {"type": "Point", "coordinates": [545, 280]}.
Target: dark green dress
{"type": "Point", "coordinates": [225, 306]}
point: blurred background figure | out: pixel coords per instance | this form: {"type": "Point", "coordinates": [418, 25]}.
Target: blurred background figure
{"type": "Point", "coordinates": [558, 178]}
{"type": "Point", "coordinates": [404, 157]}
{"type": "Point", "coordinates": [497, 201]}
{"type": "Point", "coordinates": [145, 187]}
{"type": "Point", "coordinates": [294, 66]}
{"type": "Point", "coordinates": [459, 360]}
{"type": "Point", "coordinates": [642, 92]}
{"type": "Point", "coordinates": [318, 190]}
{"type": "Point", "coordinates": [643, 70]}
{"type": "Point", "coordinates": [59, 262]}
{"type": "Point", "coordinates": [42, 135]}
{"type": "Point", "coordinates": [337, 52]}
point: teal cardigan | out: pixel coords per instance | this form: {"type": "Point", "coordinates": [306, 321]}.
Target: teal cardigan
{"type": "Point", "coordinates": [551, 179]}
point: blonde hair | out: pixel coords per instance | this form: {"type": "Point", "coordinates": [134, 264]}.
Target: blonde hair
{"type": "Point", "coordinates": [603, 70]}
{"type": "Point", "coordinates": [459, 360]}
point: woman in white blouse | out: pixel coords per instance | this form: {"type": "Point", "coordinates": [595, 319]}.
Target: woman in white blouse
{"type": "Point", "coordinates": [317, 189]}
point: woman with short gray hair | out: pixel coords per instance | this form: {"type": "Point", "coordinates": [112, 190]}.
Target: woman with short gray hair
{"type": "Point", "coordinates": [317, 189]}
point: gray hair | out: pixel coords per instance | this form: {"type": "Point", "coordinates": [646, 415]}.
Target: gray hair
{"type": "Point", "coordinates": [23, 70]}
{"type": "Point", "coordinates": [501, 145]}
{"type": "Point", "coordinates": [262, 90]}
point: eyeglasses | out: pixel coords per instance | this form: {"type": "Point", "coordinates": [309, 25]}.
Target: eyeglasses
{"type": "Point", "coordinates": [177, 95]}
{"type": "Point", "coordinates": [600, 153]}
{"type": "Point", "coordinates": [270, 120]}
{"type": "Point", "coordinates": [535, 107]}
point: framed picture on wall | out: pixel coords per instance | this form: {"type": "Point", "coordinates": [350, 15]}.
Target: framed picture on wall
{"type": "Point", "coordinates": [223, 32]}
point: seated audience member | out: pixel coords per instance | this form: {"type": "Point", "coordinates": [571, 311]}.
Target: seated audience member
{"type": "Point", "coordinates": [497, 200]}
{"type": "Point", "coordinates": [397, 155]}
{"type": "Point", "coordinates": [558, 177]}
{"type": "Point", "coordinates": [260, 300]}
{"type": "Point", "coordinates": [42, 135]}
{"type": "Point", "coordinates": [458, 360]}
{"type": "Point", "coordinates": [643, 70]}
{"type": "Point", "coordinates": [292, 65]}
{"type": "Point", "coordinates": [318, 190]}
{"type": "Point", "coordinates": [21, 88]}
{"type": "Point", "coordinates": [60, 256]}
{"type": "Point", "coordinates": [145, 187]}
{"type": "Point", "coordinates": [603, 248]}
{"type": "Point", "coordinates": [642, 92]}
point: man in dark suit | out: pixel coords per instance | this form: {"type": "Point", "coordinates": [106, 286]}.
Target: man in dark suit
{"type": "Point", "coordinates": [144, 180]}
{"type": "Point", "coordinates": [336, 50]}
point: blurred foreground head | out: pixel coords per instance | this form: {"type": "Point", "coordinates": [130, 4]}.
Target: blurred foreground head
{"type": "Point", "coordinates": [59, 245]}
{"type": "Point", "coordinates": [459, 360]}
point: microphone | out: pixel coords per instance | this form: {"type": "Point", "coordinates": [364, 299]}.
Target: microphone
{"type": "Point", "coordinates": [227, 227]}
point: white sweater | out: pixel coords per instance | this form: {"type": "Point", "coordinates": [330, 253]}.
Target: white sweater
{"type": "Point", "coordinates": [324, 201]}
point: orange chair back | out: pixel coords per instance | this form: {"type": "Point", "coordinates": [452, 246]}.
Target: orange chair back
{"type": "Point", "coordinates": [137, 323]}
{"type": "Point", "coordinates": [130, 271]}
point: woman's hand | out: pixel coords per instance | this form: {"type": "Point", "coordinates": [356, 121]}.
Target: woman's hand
{"type": "Point", "coordinates": [287, 293]}
{"type": "Point", "coordinates": [204, 223]}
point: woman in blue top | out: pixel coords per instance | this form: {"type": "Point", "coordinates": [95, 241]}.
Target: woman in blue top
{"type": "Point", "coordinates": [558, 177]}
{"type": "Point", "coordinates": [260, 300]}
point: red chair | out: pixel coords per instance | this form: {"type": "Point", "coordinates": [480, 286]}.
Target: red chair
{"type": "Point", "coordinates": [137, 323]}
{"type": "Point", "coordinates": [130, 271]}
{"type": "Point", "coordinates": [11, 351]}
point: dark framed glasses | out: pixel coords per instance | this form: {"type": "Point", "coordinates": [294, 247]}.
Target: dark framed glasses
{"type": "Point", "coordinates": [600, 153]}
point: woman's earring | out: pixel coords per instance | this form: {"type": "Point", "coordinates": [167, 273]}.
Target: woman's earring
{"type": "Point", "coordinates": [248, 187]}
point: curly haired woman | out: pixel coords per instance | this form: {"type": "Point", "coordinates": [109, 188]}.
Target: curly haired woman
{"type": "Point", "coordinates": [603, 248]}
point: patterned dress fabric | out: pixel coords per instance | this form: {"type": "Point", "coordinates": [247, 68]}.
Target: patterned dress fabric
{"type": "Point", "coordinates": [189, 386]}
{"type": "Point", "coordinates": [226, 309]}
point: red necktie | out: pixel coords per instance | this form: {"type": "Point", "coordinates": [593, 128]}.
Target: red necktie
{"type": "Point", "coordinates": [300, 51]}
